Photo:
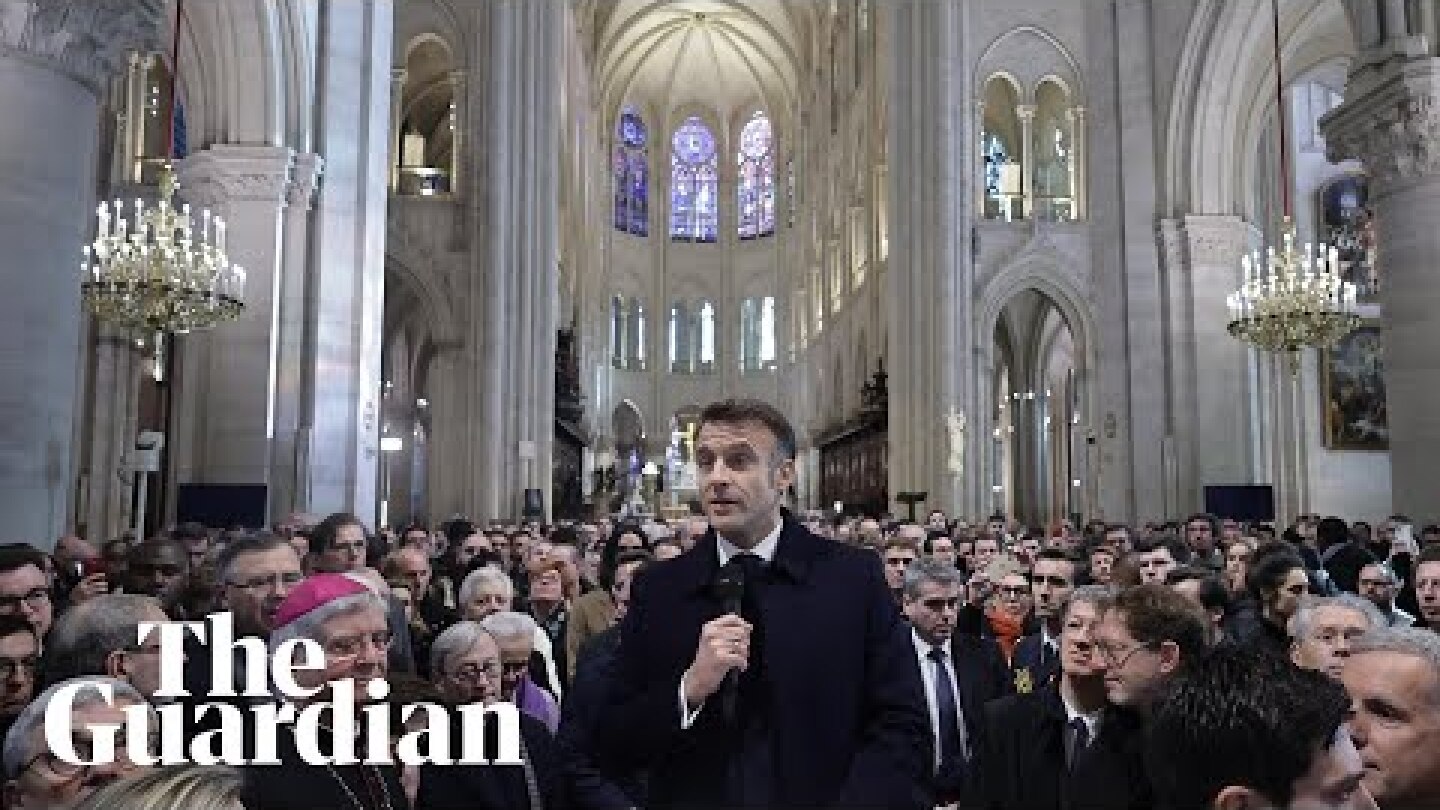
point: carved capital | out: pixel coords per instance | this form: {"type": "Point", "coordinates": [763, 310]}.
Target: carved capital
{"type": "Point", "coordinates": [88, 40]}
{"type": "Point", "coordinates": [224, 175]}
{"type": "Point", "coordinates": [1393, 127]}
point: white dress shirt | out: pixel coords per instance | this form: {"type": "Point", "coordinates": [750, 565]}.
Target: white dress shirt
{"type": "Point", "coordinates": [765, 550]}
{"type": "Point", "coordinates": [932, 702]}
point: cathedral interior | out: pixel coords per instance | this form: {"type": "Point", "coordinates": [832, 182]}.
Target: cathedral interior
{"type": "Point", "coordinates": [497, 255]}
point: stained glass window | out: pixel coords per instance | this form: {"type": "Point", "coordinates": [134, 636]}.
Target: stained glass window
{"type": "Point", "coordinates": [757, 178]}
{"type": "Point", "coordinates": [631, 174]}
{"type": "Point", "coordinates": [694, 183]}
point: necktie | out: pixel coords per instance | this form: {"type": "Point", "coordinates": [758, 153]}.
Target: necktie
{"type": "Point", "coordinates": [949, 744]}
{"type": "Point", "coordinates": [1079, 739]}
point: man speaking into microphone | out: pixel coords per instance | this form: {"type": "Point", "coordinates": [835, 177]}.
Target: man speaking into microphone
{"type": "Point", "coordinates": [765, 667]}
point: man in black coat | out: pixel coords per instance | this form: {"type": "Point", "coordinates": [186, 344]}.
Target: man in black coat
{"type": "Point", "coordinates": [960, 672]}
{"type": "Point", "coordinates": [824, 706]}
{"type": "Point", "coordinates": [1064, 745]}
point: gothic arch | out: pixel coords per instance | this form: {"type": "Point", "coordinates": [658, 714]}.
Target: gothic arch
{"type": "Point", "coordinates": [404, 261]}
{"type": "Point", "coordinates": [1042, 273]}
{"type": "Point", "coordinates": [1048, 58]}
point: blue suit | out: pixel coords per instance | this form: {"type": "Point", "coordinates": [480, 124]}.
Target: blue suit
{"type": "Point", "coordinates": [1034, 665]}
{"type": "Point", "coordinates": [831, 712]}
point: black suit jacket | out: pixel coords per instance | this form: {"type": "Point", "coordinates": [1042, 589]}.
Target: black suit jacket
{"type": "Point", "coordinates": [843, 718]}
{"type": "Point", "coordinates": [1021, 759]}
{"type": "Point", "coordinates": [980, 677]}
{"type": "Point", "coordinates": [588, 787]}
{"type": "Point", "coordinates": [1033, 666]}
{"type": "Point", "coordinates": [496, 787]}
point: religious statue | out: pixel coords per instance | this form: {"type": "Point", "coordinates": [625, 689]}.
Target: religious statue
{"type": "Point", "coordinates": [955, 424]}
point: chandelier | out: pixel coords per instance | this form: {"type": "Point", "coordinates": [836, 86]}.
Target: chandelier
{"type": "Point", "coordinates": [1295, 298]}
{"type": "Point", "coordinates": [155, 271]}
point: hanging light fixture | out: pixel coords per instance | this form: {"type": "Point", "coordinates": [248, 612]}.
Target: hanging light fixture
{"type": "Point", "coordinates": [159, 270]}
{"type": "Point", "coordinates": [1294, 298]}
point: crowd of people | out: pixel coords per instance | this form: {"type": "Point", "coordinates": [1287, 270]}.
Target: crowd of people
{"type": "Point", "coordinates": [750, 656]}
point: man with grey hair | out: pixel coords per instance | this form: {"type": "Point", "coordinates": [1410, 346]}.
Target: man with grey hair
{"type": "Point", "coordinates": [1323, 630]}
{"type": "Point", "coordinates": [515, 633]}
{"type": "Point", "coordinates": [960, 672]}
{"type": "Point", "coordinates": [1393, 677]}
{"type": "Point", "coordinates": [100, 636]}
{"type": "Point", "coordinates": [36, 778]}
{"type": "Point", "coordinates": [1379, 583]}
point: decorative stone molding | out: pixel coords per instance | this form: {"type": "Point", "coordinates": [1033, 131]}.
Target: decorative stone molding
{"type": "Point", "coordinates": [225, 174]}
{"type": "Point", "coordinates": [88, 40]}
{"type": "Point", "coordinates": [1214, 240]}
{"type": "Point", "coordinates": [1393, 127]}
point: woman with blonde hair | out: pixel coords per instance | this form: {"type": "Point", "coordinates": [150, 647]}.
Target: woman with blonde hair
{"type": "Point", "coordinates": [173, 787]}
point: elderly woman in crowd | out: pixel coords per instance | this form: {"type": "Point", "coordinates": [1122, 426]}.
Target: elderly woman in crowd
{"type": "Point", "coordinates": [348, 621]}
{"type": "Point", "coordinates": [487, 591]}
{"type": "Point", "coordinates": [36, 778]}
{"type": "Point", "coordinates": [515, 633]}
{"type": "Point", "coordinates": [192, 787]}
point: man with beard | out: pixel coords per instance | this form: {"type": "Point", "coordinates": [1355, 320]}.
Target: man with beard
{"type": "Point", "coordinates": [805, 693]}
{"type": "Point", "coordinates": [1065, 744]}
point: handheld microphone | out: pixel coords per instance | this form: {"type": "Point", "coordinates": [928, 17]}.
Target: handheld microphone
{"type": "Point", "coordinates": [730, 589]}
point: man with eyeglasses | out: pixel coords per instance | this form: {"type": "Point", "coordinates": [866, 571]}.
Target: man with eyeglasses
{"type": "Point", "coordinates": [101, 637]}
{"type": "Point", "coordinates": [1036, 661]}
{"type": "Point", "coordinates": [1145, 636]}
{"type": "Point", "coordinates": [1064, 744]}
{"type": "Point", "coordinates": [25, 587]}
{"type": "Point", "coordinates": [36, 778]}
{"type": "Point", "coordinates": [1323, 630]}
{"type": "Point", "coordinates": [19, 654]}
{"type": "Point", "coordinates": [1379, 583]}
{"type": "Point", "coordinates": [960, 671]}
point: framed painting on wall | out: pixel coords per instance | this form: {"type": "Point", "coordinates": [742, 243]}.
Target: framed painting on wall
{"type": "Point", "coordinates": [1347, 223]}
{"type": "Point", "coordinates": [1352, 392]}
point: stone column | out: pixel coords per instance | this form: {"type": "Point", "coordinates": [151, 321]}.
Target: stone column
{"type": "Point", "coordinates": [1026, 113]}
{"type": "Point", "coordinates": [931, 359]}
{"type": "Point", "coordinates": [457, 132]}
{"type": "Point", "coordinates": [346, 263]}
{"type": "Point", "coordinates": [1213, 425]}
{"type": "Point", "coordinates": [52, 65]}
{"type": "Point", "coordinates": [518, 282]}
{"type": "Point", "coordinates": [229, 373]}
{"type": "Point", "coordinates": [1391, 121]}
{"type": "Point", "coordinates": [1079, 160]}
{"type": "Point", "coordinates": [397, 120]}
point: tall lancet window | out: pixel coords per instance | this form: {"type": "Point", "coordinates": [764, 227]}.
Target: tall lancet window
{"type": "Point", "coordinates": [706, 327]}
{"type": "Point", "coordinates": [694, 183]}
{"type": "Point", "coordinates": [632, 175]}
{"type": "Point", "coordinates": [756, 187]}
{"type": "Point", "coordinates": [757, 334]}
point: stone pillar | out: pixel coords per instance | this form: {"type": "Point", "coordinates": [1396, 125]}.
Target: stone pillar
{"type": "Point", "coordinates": [1389, 121]}
{"type": "Point", "coordinates": [346, 296]}
{"type": "Point", "coordinates": [1213, 425]}
{"type": "Point", "coordinates": [1079, 163]}
{"type": "Point", "coordinates": [517, 285]}
{"type": "Point", "coordinates": [931, 341]}
{"type": "Point", "coordinates": [1026, 113]}
{"type": "Point", "coordinates": [397, 120]}
{"type": "Point", "coordinates": [288, 460]}
{"type": "Point", "coordinates": [457, 132]}
{"type": "Point", "coordinates": [228, 375]}
{"type": "Point", "coordinates": [51, 68]}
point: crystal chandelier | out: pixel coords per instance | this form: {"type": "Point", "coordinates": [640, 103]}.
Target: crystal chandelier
{"type": "Point", "coordinates": [154, 271]}
{"type": "Point", "coordinates": [1296, 298]}
{"type": "Point", "coordinates": [1293, 299]}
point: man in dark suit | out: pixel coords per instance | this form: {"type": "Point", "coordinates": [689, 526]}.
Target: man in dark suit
{"type": "Point", "coordinates": [960, 672]}
{"type": "Point", "coordinates": [824, 706]}
{"type": "Point", "coordinates": [1064, 745]}
{"type": "Point", "coordinates": [1036, 662]}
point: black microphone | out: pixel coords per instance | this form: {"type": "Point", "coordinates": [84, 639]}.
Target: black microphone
{"type": "Point", "coordinates": [730, 590]}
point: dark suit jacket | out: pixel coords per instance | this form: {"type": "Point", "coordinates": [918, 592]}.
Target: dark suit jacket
{"type": "Point", "coordinates": [844, 719]}
{"type": "Point", "coordinates": [980, 677]}
{"type": "Point", "coordinates": [588, 787]}
{"type": "Point", "coordinates": [1033, 666]}
{"type": "Point", "coordinates": [496, 787]}
{"type": "Point", "coordinates": [1021, 759]}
